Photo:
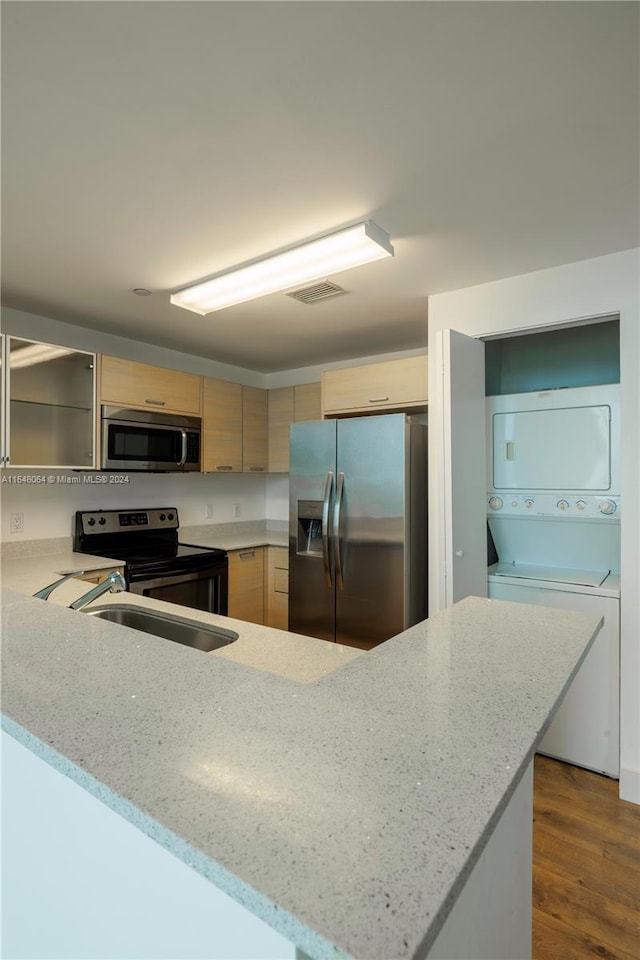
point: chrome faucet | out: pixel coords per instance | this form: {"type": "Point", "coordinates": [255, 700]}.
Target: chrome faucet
{"type": "Point", "coordinates": [46, 591]}
{"type": "Point", "coordinates": [114, 582]}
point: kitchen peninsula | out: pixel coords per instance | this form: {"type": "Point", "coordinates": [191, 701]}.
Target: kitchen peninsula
{"type": "Point", "coordinates": [348, 806]}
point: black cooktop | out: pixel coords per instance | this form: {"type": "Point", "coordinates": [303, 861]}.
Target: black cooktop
{"type": "Point", "coordinates": [138, 538]}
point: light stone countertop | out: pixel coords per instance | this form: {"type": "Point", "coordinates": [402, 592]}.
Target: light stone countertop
{"type": "Point", "coordinates": [259, 647]}
{"type": "Point", "coordinates": [238, 535]}
{"type": "Point", "coordinates": [349, 808]}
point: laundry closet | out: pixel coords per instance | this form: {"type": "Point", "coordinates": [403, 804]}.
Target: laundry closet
{"type": "Point", "coordinates": [553, 508]}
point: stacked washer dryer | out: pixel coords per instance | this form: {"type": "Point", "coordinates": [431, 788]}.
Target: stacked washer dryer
{"type": "Point", "coordinates": [553, 510]}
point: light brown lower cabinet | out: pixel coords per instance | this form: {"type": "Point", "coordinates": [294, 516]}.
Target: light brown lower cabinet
{"type": "Point", "coordinates": [246, 584]}
{"type": "Point", "coordinates": [277, 588]}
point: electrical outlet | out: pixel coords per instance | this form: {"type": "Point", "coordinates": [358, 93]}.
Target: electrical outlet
{"type": "Point", "coordinates": [237, 510]}
{"type": "Point", "coordinates": [16, 523]}
{"type": "Point", "coordinates": [208, 511]}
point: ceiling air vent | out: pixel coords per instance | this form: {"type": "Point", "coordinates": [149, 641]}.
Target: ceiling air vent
{"type": "Point", "coordinates": [317, 291]}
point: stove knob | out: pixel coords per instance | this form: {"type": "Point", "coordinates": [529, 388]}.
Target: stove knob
{"type": "Point", "coordinates": [563, 504]}
{"type": "Point", "coordinates": [495, 503]}
{"type": "Point", "coordinates": [607, 507]}
{"type": "Point", "coordinates": [102, 521]}
{"type": "Point", "coordinates": [162, 516]}
{"type": "Point", "coordinates": [91, 521]}
{"type": "Point", "coordinates": [170, 517]}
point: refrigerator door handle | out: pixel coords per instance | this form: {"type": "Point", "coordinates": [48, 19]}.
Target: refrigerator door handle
{"type": "Point", "coordinates": [325, 527]}
{"type": "Point", "coordinates": [337, 510]}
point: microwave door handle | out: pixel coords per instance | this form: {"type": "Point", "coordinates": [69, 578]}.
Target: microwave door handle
{"type": "Point", "coordinates": [183, 457]}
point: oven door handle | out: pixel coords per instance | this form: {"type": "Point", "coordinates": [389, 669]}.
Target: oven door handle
{"type": "Point", "coordinates": [183, 457]}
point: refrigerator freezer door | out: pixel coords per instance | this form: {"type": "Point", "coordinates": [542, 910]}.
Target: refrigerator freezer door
{"type": "Point", "coordinates": [371, 523]}
{"type": "Point", "coordinates": [311, 593]}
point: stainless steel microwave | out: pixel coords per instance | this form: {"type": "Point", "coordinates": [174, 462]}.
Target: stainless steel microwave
{"type": "Point", "coordinates": [149, 440]}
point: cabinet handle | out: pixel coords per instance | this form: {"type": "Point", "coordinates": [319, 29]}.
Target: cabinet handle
{"type": "Point", "coordinates": [257, 469]}
{"type": "Point", "coordinates": [246, 553]}
{"type": "Point", "coordinates": [222, 467]}
{"type": "Point", "coordinates": [156, 403]}
{"type": "Point", "coordinates": [377, 399]}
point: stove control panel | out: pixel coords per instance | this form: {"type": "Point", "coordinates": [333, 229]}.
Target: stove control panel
{"type": "Point", "coordinates": [569, 507]}
{"type": "Point", "coordinates": [123, 521]}
{"type": "Point", "coordinates": [134, 519]}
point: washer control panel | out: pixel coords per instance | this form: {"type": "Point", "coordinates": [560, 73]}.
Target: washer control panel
{"type": "Point", "coordinates": [572, 506]}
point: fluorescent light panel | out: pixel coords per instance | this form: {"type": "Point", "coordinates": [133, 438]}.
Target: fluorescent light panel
{"type": "Point", "coordinates": [314, 260]}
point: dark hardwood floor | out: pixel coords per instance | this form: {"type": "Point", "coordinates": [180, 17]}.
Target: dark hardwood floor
{"type": "Point", "coordinates": [586, 866]}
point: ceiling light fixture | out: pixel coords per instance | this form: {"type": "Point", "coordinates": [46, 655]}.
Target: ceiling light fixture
{"type": "Point", "coordinates": [308, 261]}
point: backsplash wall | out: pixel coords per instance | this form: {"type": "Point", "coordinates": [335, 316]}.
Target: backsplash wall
{"type": "Point", "coordinates": [48, 508]}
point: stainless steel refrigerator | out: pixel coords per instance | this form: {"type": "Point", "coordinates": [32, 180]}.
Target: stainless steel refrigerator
{"type": "Point", "coordinates": [357, 528]}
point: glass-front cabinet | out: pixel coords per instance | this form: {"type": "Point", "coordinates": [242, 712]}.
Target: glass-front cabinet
{"type": "Point", "coordinates": [49, 403]}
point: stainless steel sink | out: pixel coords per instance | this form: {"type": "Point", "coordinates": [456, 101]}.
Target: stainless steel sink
{"type": "Point", "coordinates": [200, 636]}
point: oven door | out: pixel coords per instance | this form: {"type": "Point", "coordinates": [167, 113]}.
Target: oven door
{"type": "Point", "coordinates": [201, 589]}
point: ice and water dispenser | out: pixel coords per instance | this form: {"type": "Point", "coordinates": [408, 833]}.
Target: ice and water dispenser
{"type": "Point", "coordinates": [309, 530]}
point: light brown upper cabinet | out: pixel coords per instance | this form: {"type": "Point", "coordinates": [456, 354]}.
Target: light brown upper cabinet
{"type": "Point", "coordinates": [125, 383]}
{"type": "Point", "coordinates": [391, 385]}
{"type": "Point", "coordinates": [254, 430]}
{"type": "Point", "coordinates": [286, 406]}
{"type": "Point", "coordinates": [234, 427]}
{"type": "Point", "coordinates": [307, 401]}
{"type": "Point", "coordinates": [221, 426]}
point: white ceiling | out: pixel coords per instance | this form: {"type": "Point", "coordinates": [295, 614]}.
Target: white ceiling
{"type": "Point", "coordinates": [149, 144]}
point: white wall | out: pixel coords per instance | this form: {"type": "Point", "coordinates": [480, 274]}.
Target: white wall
{"type": "Point", "coordinates": [588, 288]}
{"type": "Point", "coordinates": [277, 494]}
{"type": "Point", "coordinates": [49, 507]}
{"type": "Point", "coordinates": [286, 378]}
{"type": "Point", "coordinates": [32, 327]}
{"type": "Point", "coordinates": [82, 882]}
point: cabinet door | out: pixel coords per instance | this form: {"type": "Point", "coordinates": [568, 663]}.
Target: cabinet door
{"type": "Point", "coordinates": [246, 584]}
{"type": "Point", "coordinates": [458, 528]}
{"type": "Point", "coordinates": [281, 413]}
{"type": "Point", "coordinates": [307, 401]}
{"type": "Point", "coordinates": [254, 430]}
{"type": "Point", "coordinates": [277, 588]}
{"type": "Point", "coordinates": [394, 384]}
{"type": "Point", "coordinates": [126, 383]}
{"type": "Point", "coordinates": [51, 405]}
{"type": "Point", "coordinates": [221, 426]}
{"type": "Point", "coordinates": [286, 406]}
